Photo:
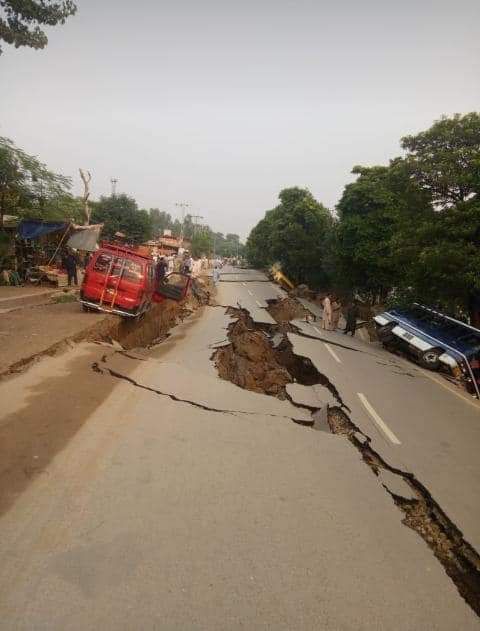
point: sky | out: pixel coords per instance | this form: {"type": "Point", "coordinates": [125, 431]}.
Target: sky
{"type": "Point", "coordinates": [222, 104]}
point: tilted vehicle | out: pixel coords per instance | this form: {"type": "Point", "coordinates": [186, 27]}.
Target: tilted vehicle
{"type": "Point", "coordinates": [120, 280]}
{"type": "Point", "coordinates": [435, 339]}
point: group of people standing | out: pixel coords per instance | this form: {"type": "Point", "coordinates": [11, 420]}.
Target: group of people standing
{"type": "Point", "coordinates": [332, 310]}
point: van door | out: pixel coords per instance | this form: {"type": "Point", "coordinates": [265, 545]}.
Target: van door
{"type": "Point", "coordinates": [175, 286]}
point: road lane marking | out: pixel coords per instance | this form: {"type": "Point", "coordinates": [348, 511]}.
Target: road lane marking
{"type": "Point", "coordinates": [333, 353]}
{"type": "Point", "coordinates": [251, 293]}
{"type": "Point", "coordinates": [317, 330]}
{"type": "Point", "coordinates": [259, 304]}
{"type": "Point", "coordinates": [244, 284]}
{"type": "Point", "coordinates": [381, 424]}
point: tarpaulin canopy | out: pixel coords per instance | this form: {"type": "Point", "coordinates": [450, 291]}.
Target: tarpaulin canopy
{"type": "Point", "coordinates": [85, 237]}
{"type": "Point", "coordinates": [33, 228]}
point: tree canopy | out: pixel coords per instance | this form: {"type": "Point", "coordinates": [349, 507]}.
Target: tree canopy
{"type": "Point", "coordinates": [293, 234]}
{"type": "Point", "coordinates": [22, 19]}
{"type": "Point", "coordinates": [409, 230]}
{"type": "Point", "coordinates": [27, 186]}
{"type": "Point", "coordinates": [445, 159]}
{"type": "Point", "coordinates": [120, 213]}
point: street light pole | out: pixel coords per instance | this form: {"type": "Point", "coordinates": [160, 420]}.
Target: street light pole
{"type": "Point", "coordinates": [183, 206]}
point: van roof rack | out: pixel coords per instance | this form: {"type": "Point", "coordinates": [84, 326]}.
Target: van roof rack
{"type": "Point", "coordinates": [124, 249]}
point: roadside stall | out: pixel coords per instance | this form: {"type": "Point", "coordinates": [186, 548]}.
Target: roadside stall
{"type": "Point", "coordinates": [39, 246]}
{"type": "Point", "coordinates": [43, 245]}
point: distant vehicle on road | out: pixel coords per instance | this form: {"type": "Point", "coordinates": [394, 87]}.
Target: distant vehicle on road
{"type": "Point", "coordinates": [435, 339]}
{"type": "Point", "coordinates": [121, 280]}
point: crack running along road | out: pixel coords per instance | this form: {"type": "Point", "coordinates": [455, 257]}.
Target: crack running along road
{"type": "Point", "coordinates": [446, 539]}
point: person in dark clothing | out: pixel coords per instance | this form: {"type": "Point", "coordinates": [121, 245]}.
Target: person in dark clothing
{"type": "Point", "coordinates": [352, 315]}
{"type": "Point", "coordinates": [86, 260]}
{"type": "Point", "coordinates": [71, 267]}
{"type": "Point", "coordinates": [161, 270]}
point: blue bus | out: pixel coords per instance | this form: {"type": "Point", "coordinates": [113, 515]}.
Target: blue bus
{"type": "Point", "coordinates": [435, 339]}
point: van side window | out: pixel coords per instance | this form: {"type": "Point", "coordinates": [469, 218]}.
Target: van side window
{"type": "Point", "coordinates": [132, 271]}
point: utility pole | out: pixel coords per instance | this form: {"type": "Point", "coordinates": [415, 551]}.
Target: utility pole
{"type": "Point", "coordinates": [195, 219]}
{"type": "Point", "coordinates": [183, 206]}
{"type": "Point", "coordinates": [113, 182]}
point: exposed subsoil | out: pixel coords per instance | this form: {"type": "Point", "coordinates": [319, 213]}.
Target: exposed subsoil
{"type": "Point", "coordinates": [286, 310]}
{"type": "Point", "coordinates": [260, 358]}
{"type": "Point", "coordinates": [250, 361]}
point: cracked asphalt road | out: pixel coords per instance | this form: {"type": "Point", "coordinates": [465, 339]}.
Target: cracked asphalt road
{"type": "Point", "coordinates": [159, 513]}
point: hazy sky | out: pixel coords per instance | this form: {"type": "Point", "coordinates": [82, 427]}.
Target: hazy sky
{"type": "Point", "coordinates": [224, 103]}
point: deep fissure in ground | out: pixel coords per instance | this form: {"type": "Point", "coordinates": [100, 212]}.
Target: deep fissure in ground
{"type": "Point", "coordinates": [260, 358]}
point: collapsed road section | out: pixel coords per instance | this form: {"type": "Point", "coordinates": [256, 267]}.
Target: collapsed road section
{"type": "Point", "coordinates": [260, 357]}
{"type": "Point", "coordinates": [183, 488]}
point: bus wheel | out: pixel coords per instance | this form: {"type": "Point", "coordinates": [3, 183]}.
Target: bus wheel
{"type": "Point", "coordinates": [429, 359]}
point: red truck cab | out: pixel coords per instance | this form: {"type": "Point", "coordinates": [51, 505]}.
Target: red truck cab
{"type": "Point", "coordinates": [121, 280]}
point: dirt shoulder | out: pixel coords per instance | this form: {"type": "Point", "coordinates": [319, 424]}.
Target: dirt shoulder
{"type": "Point", "coordinates": [30, 331]}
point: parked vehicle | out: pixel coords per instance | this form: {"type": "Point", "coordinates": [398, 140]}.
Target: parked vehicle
{"type": "Point", "coordinates": [121, 280]}
{"type": "Point", "coordinates": [435, 339]}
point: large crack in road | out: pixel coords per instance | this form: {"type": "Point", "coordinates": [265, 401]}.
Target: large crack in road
{"type": "Point", "coordinates": [259, 357]}
{"type": "Point", "coordinates": [422, 513]}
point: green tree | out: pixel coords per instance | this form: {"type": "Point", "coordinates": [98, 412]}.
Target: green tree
{"type": "Point", "coordinates": [381, 202]}
{"type": "Point", "coordinates": [259, 242]}
{"type": "Point", "coordinates": [27, 187]}
{"type": "Point", "coordinates": [120, 213]}
{"type": "Point", "coordinates": [202, 243]}
{"type": "Point", "coordinates": [161, 221]}
{"type": "Point", "coordinates": [445, 159]}
{"type": "Point", "coordinates": [21, 20]}
{"type": "Point", "coordinates": [294, 235]}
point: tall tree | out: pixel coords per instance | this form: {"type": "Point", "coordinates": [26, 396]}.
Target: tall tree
{"type": "Point", "coordinates": [26, 183]}
{"type": "Point", "coordinates": [161, 221]}
{"type": "Point", "coordinates": [120, 213]}
{"type": "Point", "coordinates": [202, 243]}
{"type": "Point", "coordinates": [371, 211]}
{"type": "Point", "coordinates": [293, 234]}
{"type": "Point", "coordinates": [22, 19]}
{"type": "Point", "coordinates": [445, 159]}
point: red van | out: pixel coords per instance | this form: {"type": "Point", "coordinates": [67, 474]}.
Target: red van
{"type": "Point", "coordinates": [120, 280]}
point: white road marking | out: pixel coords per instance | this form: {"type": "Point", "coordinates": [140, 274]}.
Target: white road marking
{"type": "Point", "coordinates": [251, 293]}
{"type": "Point", "coordinates": [381, 424]}
{"type": "Point", "coordinates": [333, 353]}
{"type": "Point", "coordinates": [317, 330]}
{"type": "Point", "coordinates": [259, 304]}
{"type": "Point", "coordinates": [244, 284]}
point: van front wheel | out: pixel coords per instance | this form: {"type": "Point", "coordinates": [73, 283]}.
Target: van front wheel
{"type": "Point", "coordinates": [430, 359]}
